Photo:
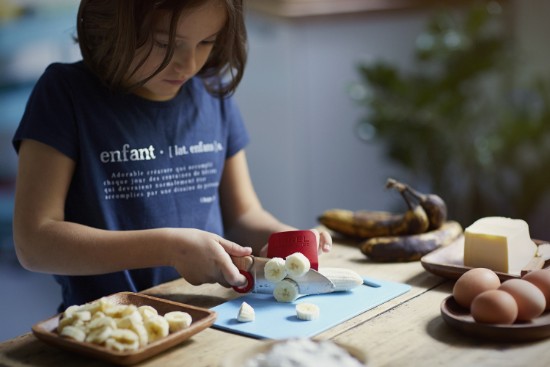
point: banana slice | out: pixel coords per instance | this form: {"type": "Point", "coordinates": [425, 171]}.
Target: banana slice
{"type": "Point", "coordinates": [157, 327]}
{"type": "Point", "coordinates": [99, 322]}
{"type": "Point", "coordinates": [69, 312]}
{"type": "Point", "coordinates": [73, 332]}
{"type": "Point", "coordinates": [135, 324]}
{"type": "Point", "coordinates": [99, 335]}
{"type": "Point", "coordinates": [275, 270]}
{"type": "Point", "coordinates": [246, 313]}
{"type": "Point", "coordinates": [307, 311]}
{"type": "Point", "coordinates": [178, 320]}
{"type": "Point", "coordinates": [286, 291]}
{"type": "Point", "coordinates": [297, 264]}
{"type": "Point", "coordinates": [82, 316]}
{"type": "Point", "coordinates": [122, 340]}
{"type": "Point", "coordinates": [119, 311]}
{"type": "Point", "coordinates": [69, 321]}
{"type": "Point", "coordinates": [147, 312]}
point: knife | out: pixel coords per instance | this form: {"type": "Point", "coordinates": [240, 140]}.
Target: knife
{"type": "Point", "coordinates": [252, 267]}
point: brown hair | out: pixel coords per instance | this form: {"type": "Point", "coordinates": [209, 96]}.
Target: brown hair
{"type": "Point", "coordinates": [111, 31]}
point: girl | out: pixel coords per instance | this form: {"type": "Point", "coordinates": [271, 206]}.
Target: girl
{"type": "Point", "coordinates": [131, 163]}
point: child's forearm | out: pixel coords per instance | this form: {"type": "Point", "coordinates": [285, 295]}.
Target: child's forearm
{"type": "Point", "coordinates": [66, 248]}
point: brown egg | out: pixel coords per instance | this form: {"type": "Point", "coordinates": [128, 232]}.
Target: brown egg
{"type": "Point", "coordinates": [494, 307]}
{"type": "Point", "coordinates": [530, 299]}
{"type": "Point", "coordinates": [472, 283]}
{"type": "Point", "coordinates": [540, 278]}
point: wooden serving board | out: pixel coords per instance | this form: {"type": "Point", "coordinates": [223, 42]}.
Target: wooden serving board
{"type": "Point", "coordinates": [448, 261]}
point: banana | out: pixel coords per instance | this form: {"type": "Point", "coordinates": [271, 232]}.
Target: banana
{"type": "Point", "coordinates": [434, 205]}
{"type": "Point", "coordinates": [411, 247]}
{"type": "Point", "coordinates": [177, 320]}
{"type": "Point", "coordinates": [99, 335]}
{"type": "Point", "coordinates": [82, 315]}
{"type": "Point", "coordinates": [119, 311]}
{"type": "Point", "coordinates": [286, 291]}
{"type": "Point", "coordinates": [147, 311]}
{"type": "Point", "coordinates": [69, 312]}
{"type": "Point", "coordinates": [297, 264]}
{"type": "Point", "coordinates": [343, 279]}
{"type": "Point", "coordinates": [135, 324]}
{"type": "Point", "coordinates": [69, 321]}
{"type": "Point", "coordinates": [73, 332]}
{"type": "Point", "coordinates": [364, 224]}
{"type": "Point", "coordinates": [307, 311]}
{"type": "Point", "coordinates": [274, 269]}
{"type": "Point", "coordinates": [246, 313]}
{"type": "Point", "coordinates": [157, 328]}
{"type": "Point", "coordinates": [119, 327]}
{"type": "Point", "coordinates": [102, 321]}
{"type": "Point", "coordinates": [122, 340]}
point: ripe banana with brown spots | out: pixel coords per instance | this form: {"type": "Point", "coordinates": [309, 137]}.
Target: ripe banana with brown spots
{"type": "Point", "coordinates": [435, 206]}
{"type": "Point", "coordinates": [363, 224]}
{"type": "Point", "coordinates": [410, 247]}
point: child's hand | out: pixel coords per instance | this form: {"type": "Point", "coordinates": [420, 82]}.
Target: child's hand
{"type": "Point", "coordinates": [204, 257]}
{"type": "Point", "coordinates": [325, 240]}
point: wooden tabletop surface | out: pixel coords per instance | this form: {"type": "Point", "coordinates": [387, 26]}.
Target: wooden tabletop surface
{"type": "Point", "coordinates": [406, 331]}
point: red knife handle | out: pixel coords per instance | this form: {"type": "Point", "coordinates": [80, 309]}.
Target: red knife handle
{"type": "Point", "coordinates": [249, 283]}
{"type": "Point", "coordinates": [282, 244]}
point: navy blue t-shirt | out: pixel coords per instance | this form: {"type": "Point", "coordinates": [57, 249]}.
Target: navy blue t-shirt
{"type": "Point", "coordinates": [140, 164]}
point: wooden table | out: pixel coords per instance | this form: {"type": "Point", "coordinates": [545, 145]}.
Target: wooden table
{"type": "Point", "coordinates": [406, 331]}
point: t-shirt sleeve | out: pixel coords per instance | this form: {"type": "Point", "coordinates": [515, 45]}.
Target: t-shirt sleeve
{"type": "Point", "coordinates": [238, 135]}
{"type": "Point", "coordinates": [49, 116]}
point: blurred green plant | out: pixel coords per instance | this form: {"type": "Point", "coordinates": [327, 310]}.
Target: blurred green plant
{"type": "Point", "coordinates": [459, 122]}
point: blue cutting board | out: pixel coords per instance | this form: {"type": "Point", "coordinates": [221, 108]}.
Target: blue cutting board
{"type": "Point", "coordinates": [275, 320]}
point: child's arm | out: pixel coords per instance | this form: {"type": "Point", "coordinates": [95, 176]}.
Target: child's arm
{"type": "Point", "coordinates": [245, 220]}
{"type": "Point", "coordinates": [45, 242]}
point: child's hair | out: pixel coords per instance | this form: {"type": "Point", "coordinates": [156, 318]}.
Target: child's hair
{"type": "Point", "coordinates": [110, 31]}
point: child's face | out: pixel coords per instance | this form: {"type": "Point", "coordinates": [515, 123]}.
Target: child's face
{"type": "Point", "coordinates": [195, 36]}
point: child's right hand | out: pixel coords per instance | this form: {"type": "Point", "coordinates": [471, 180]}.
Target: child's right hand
{"type": "Point", "coordinates": [204, 257]}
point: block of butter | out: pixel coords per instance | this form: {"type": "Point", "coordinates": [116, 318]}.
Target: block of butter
{"type": "Point", "coordinates": [498, 243]}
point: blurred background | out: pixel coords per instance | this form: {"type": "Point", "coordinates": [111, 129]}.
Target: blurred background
{"type": "Point", "coordinates": [452, 97]}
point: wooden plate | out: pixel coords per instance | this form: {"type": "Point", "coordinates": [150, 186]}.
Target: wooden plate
{"type": "Point", "coordinates": [202, 319]}
{"type": "Point", "coordinates": [239, 357]}
{"type": "Point", "coordinates": [460, 318]}
{"type": "Point", "coordinates": [448, 261]}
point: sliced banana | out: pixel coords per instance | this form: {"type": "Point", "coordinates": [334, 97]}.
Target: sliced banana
{"type": "Point", "coordinates": [246, 313]}
{"type": "Point", "coordinates": [117, 326]}
{"type": "Point", "coordinates": [157, 328]}
{"type": "Point", "coordinates": [71, 310]}
{"type": "Point", "coordinates": [99, 322]}
{"type": "Point", "coordinates": [286, 291]}
{"type": "Point", "coordinates": [99, 335]}
{"type": "Point", "coordinates": [119, 311]}
{"type": "Point", "coordinates": [307, 311]}
{"type": "Point", "coordinates": [297, 264]}
{"type": "Point", "coordinates": [275, 270]}
{"type": "Point", "coordinates": [135, 324]}
{"type": "Point", "coordinates": [122, 340]}
{"type": "Point", "coordinates": [73, 332]}
{"type": "Point", "coordinates": [178, 320]}
{"type": "Point", "coordinates": [147, 311]}
{"type": "Point", "coordinates": [82, 315]}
